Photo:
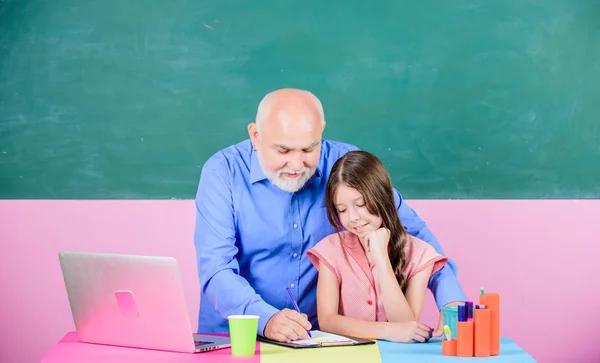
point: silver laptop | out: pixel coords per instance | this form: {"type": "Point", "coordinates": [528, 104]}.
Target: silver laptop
{"type": "Point", "coordinates": [131, 301]}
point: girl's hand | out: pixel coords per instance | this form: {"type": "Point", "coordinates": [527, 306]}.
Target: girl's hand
{"type": "Point", "coordinates": [377, 242]}
{"type": "Point", "coordinates": [408, 332]}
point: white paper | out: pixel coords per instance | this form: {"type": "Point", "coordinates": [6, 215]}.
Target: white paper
{"type": "Point", "coordinates": [322, 337]}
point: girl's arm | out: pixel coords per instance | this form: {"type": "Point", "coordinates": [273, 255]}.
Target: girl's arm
{"type": "Point", "coordinates": [416, 290]}
{"type": "Point", "coordinates": [400, 307]}
{"type": "Point", "coordinates": [330, 321]}
{"type": "Point", "coordinates": [397, 308]}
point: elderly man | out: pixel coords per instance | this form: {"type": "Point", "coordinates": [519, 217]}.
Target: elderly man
{"type": "Point", "coordinates": [260, 206]}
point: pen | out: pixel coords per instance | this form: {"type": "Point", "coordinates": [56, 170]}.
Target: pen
{"type": "Point", "coordinates": [296, 305]}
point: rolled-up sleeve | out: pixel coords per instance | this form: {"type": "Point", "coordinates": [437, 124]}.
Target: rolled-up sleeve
{"type": "Point", "coordinates": [443, 284]}
{"type": "Point", "coordinates": [215, 243]}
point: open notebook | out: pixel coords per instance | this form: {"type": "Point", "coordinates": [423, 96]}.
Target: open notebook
{"type": "Point", "coordinates": [321, 339]}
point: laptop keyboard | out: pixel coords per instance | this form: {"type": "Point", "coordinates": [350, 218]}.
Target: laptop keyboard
{"type": "Point", "coordinates": [199, 343]}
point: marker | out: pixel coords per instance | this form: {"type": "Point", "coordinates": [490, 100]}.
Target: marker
{"type": "Point", "coordinates": [482, 291]}
{"type": "Point", "coordinates": [461, 313]}
{"type": "Point", "coordinates": [296, 306]}
{"type": "Point", "coordinates": [448, 332]}
{"type": "Point", "coordinates": [469, 309]}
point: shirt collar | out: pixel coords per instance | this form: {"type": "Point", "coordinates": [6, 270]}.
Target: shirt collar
{"type": "Point", "coordinates": [351, 241]}
{"type": "Point", "coordinates": [354, 248]}
{"type": "Point", "coordinates": [257, 173]}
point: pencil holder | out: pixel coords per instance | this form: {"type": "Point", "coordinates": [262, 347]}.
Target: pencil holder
{"type": "Point", "coordinates": [464, 344]}
{"type": "Point", "coordinates": [449, 347]}
{"type": "Point", "coordinates": [450, 317]}
{"type": "Point", "coordinates": [481, 322]}
{"type": "Point", "coordinates": [492, 303]}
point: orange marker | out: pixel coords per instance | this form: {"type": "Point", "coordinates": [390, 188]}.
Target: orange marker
{"type": "Point", "coordinates": [464, 346]}
{"type": "Point", "coordinates": [492, 303]}
{"type": "Point", "coordinates": [482, 332]}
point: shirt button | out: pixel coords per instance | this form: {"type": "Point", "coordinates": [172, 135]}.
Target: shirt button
{"type": "Point", "coordinates": [295, 226]}
{"type": "Point", "coordinates": [295, 255]}
{"type": "Point", "coordinates": [292, 285]}
{"type": "Point", "coordinates": [370, 302]}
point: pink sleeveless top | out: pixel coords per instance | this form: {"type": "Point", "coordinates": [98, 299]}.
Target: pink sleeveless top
{"type": "Point", "coordinates": [359, 285]}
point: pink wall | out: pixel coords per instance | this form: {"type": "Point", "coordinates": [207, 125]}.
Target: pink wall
{"type": "Point", "coordinates": [538, 255]}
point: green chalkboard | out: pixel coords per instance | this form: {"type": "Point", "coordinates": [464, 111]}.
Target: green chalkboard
{"type": "Point", "coordinates": [461, 99]}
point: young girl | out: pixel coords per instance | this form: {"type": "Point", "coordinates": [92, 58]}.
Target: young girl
{"type": "Point", "coordinates": [373, 275]}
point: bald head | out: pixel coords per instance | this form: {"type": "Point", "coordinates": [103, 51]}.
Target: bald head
{"type": "Point", "coordinates": [289, 105]}
{"type": "Point", "coordinates": [287, 136]}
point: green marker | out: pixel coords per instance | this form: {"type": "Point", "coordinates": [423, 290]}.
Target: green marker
{"type": "Point", "coordinates": [482, 291]}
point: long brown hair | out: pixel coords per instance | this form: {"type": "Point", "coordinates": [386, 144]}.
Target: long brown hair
{"type": "Point", "coordinates": [364, 172]}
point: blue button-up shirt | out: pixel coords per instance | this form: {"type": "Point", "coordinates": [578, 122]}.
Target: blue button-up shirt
{"type": "Point", "coordinates": [251, 239]}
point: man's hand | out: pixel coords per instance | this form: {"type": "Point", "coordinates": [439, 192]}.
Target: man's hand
{"type": "Point", "coordinates": [440, 329]}
{"type": "Point", "coordinates": [287, 325]}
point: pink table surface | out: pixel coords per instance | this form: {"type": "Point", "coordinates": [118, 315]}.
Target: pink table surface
{"type": "Point", "coordinates": [70, 350]}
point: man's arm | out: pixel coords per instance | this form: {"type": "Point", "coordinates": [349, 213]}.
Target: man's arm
{"type": "Point", "coordinates": [443, 284]}
{"type": "Point", "coordinates": [214, 239]}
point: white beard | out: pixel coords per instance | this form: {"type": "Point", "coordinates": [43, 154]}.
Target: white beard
{"type": "Point", "coordinates": [290, 185]}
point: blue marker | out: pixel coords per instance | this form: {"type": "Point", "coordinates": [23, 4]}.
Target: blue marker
{"type": "Point", "coordinates": [469, 308]}
{"type": "Point", "coordinates": [461, 313]}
